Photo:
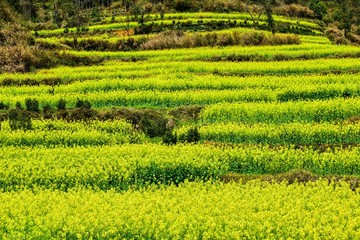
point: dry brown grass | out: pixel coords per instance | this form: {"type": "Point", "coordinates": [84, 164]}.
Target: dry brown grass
{"type": "Point", "coordinates": [179, 39]}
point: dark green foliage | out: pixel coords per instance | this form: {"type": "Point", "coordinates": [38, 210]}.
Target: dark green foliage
{"type": "Point", "coordinates": [30, 82]}
{"type": "Point", "coordinates": [85, 104]}
{"type": "Point", "coordinates": [51, 81]}
{"type": "Point", "coordinates": [169, 138]}
{"type": "Point", "coordinates": [61, 105]}
{"type": "Point", "coordinates": [47, 112]}
{"type": "Point", "coordinates": [19, 119]}
{"type": "Point", "coordinates": [80, 114]}
{"type": "Point", "coordinates": [183, 5]}
{"type": "Point", "coordinates": [32, 105]}
{"type": "Point", "coordinates": [153, 124]}
{"type": "Point", "coordinates": [47, 59]}
{"type": "Point", "coordinates": [186, 112]}
{"type": "Point", "coordinates": [192, 136]}
{"type": "Point", "coordinates": [347, 93]}
{"type": "Point", "coordinates": [18, 105]}
{"type": "Point", "coordinates": [319, 8]}
{"type": "Point", "coordinates": [4, 106]}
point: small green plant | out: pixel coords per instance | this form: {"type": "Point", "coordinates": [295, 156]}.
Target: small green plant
{"type": "Point", "coordinates": [61, 105]}
{"type": "Point", "coordinates": [153, 124]}
{"type": "Point", "coordinates": [83, 104]}
{"type": "Point", "coordinates": [32, 105]}
{"type": "Point", "coordinates": [191, 136]}
{"type": "Point", "coordinates": [169, 138]}
{"type": "Point", "coordinates": [4, 106]}
{"type": "Point", "coordinates": [19, 119]}
{"type": "Point", "coordinates": [47, 111]}
{"type": "Point", "coordinates": [18, 105]}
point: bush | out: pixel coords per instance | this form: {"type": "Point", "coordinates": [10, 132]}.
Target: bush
{"type": "Point", "coordinates": [191, 136]}
{"type": "Point", "coordinates": [18, 105]}
{"type": "Point", "coordinates": [19, 119]}
{"type": "Point", "coordinates": [93, 44]}
{"type": "Point", "coordinates": [186, 112]}
{"type": "Point", "coordinates": [85, 104]}
{"type": "Point", "coordinates": [32, 105]}
{"type": "Point", "coordinates": [337, 36]}
{"type": "Point", "coordinates": [4, 106]}
{"type": "Point", "coordinates": [61, 105]}
{"type": "Point", "coordinates": [222, 6]}
{"type": "Point", "coordinates": [183, 5]}
{"type": "Point", "coordinates": [169, 138]}
{"type": "Point", "coordinates": [178, 39]}
{"type": "Point", "coordinates": [16, 58]}
{"type": "Point", "coordinates": [80, 114]}
{"type": "Point", "coordinates": [354, 38]}
{"type": "Point", "coordinates": [153, 124]}
{"type": "Point", "coordinates": [47, 112]}
{"type": "Point", "coordinates": [294, 10]}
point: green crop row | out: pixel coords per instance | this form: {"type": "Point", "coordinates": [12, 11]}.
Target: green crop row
{"type": "Point", "coordinates": [206, 53]}
{"type": "Point", "coordinates": [281, 85]}
{"type": "Point", "coordinates": [125, 166]}
{"type": "Point", "coordinates": [303, 111]}
{"type": "Point", "coordinates": [188, 89]}
{"type": "Point", "coordinates": [114, 69]}
{"type": "Point", "coordinates": [211, 15]}
{"type": "Point", "coordinates": [281, 134]}
{"type": "Point", "coordinates": [154, 98]}
{"type": "Point", "coordinates": [120, 23]}
{"type": "Point", "coordinates": [146, 98]}
{"type": "Point", "coordinates": [192, 211]}
{"type": "Point", "coordinates": [61, 133]}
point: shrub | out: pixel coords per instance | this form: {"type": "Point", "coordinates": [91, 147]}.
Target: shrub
{"type": "Point", "coordinates": [32, 105]}
{"type": "Point", "coordinates": [354, 38]}
{"type": "Point", "coordinates": [18, 105]}
{"type": "Point", "coordinates": [186, 112]}
{"type": "Point", "coordinates": [16, 58]}
{"type": "Point", "coordinates": [336, 36]}
{"type": "Point", "coordinates": [61, 105]}
{"type": "Point", "coordinates": [52, 81]}
{"type": "Point", "coordinates": [47, 112]}
{"type": "Point", "coordinates": [85, 104]}
{"type": "Point", "coordinates": [178, 39]}
{"type": "Point", "coordinates": [80, 114]}
{"type": "Point", "coordinates": [191, 136]}
{"type": "Point", "coordinates": [169, 138]}
{"type": "Point", "coordinates": [93, 44]}
{"type": "Point", "coordinates": [4, 106]}
{"type": "Point", "coordinates": [19, 119]}
{"type": "Point", "coordinates": [294, 10]}
{"type": "Point", "coordinates": [283, 39]}
{"type": "Point", "coordinates": [183, 5]}
{"type": "Point", "coordinates": [153, 124]}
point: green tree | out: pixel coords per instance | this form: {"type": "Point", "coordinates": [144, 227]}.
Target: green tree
{"type": "Point", "coordinates": [266, 6]}
{"type": "Point", "coordinates": [346, 14]}
{"type": "Point", "coordinates": [319, 8]}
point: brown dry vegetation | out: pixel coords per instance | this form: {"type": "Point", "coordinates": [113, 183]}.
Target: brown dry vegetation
{"type": "Point", "coordinates": [179, 39]}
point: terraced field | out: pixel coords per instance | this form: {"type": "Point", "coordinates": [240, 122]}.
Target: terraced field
{"type": "Point", "coordinates": [277, 154]}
